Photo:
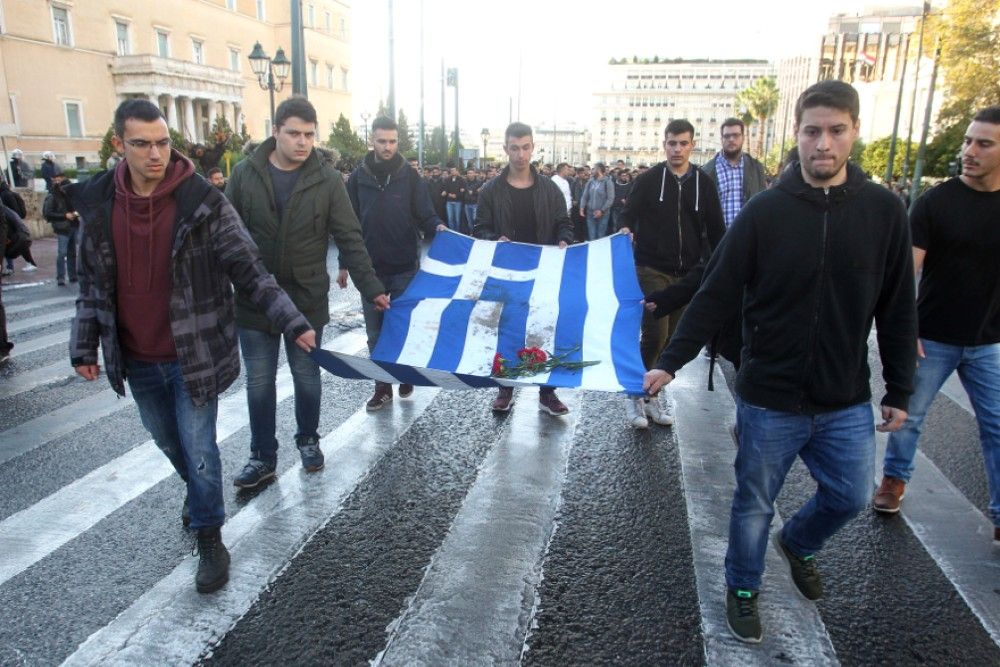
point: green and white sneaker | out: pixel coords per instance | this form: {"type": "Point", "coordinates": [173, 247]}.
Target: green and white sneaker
{"type": "Point", "coordinates": [805, 574]}
{"type": "Point", "coordinates": [742, 616]}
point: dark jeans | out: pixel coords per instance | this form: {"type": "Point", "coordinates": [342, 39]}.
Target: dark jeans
{"type": "Point", "coordinates": [260, 358]}
{"type": "Point", "coordinates": [66, 256]}
{"type": "Point", "coordinates": [185, 433]}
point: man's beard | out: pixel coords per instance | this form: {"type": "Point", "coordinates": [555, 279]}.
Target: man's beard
{"type": "Point", "coordinates": [732, 154]}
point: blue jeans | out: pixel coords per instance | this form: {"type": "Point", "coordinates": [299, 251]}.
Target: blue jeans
{"type": "Point", "coordinates": [596, 226]}
{"type": "Point", "coordinates": [470, 215]}
{"type": "Point", "coordinates": [66, 256]}
{"type": "Point", "coordinates": [185, 433]}
{"type": "Point", "coordinates": [395, 285]}
{"type": "Point", "coordinates": [837, 447]}
{"type": "Point", "coordinates": [979, 370]}
{"type": "Point", "coordinates": [454, 215]}
{"type": "Point", "coordinates": [260, 358]}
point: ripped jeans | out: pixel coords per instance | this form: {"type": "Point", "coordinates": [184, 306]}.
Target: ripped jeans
{"type": "Point", "coordinates": [184, 432]}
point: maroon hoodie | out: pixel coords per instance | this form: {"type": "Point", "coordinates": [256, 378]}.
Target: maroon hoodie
{"type": "Point", "coordinates": [143, 232]}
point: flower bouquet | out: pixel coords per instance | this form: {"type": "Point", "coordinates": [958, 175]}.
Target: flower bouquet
{"type": "Point", "coordinates": [534, 361]}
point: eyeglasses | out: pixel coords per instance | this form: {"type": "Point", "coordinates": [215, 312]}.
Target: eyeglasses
{"type": "Point", "coordinates": [143, 145]}
{"type": "Point", "coordinates": [732, 135]}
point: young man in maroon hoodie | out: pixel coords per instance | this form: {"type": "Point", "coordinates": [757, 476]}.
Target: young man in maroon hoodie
{"type": "Point", "coordinates": [159, 250]}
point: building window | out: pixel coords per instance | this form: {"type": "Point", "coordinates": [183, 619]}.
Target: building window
{"type": "Point", "coordinates": [74, 119]}
{"type": "Point", "coordinates": [261, 15]}
{"type": "Point", "coordinates": [343, 27]}
{"type": "Point", "coordinates": [343, 79]}
{"type": "Point", "coordinates": [163, 44]}
{"type": "Point", "coordinates": [198, 51]}
{"type": "Point", "coordinates": [60, 26]}
{"type": "Point", "coordinates": [329, 76]}
{"type": "Point", "coordinates": [328, 21]}
{"type": "Point", "coordinates": [311, 14]}
{"type": "Point", "coordinates": [231, 5]}
{"type": "Point", "coordinates": [122, 38]}
{"type": "Point", "coordinates": [234, 59]}
{"type": "Point", "coordinates": [313, 66]}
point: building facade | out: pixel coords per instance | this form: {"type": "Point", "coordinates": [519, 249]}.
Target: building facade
{"type": "Point", "coordinates": [638, 99]}
{"type": "Point", "coordinates": [67, 65]}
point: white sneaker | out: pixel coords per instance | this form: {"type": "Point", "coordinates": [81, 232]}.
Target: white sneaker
{"type": "Point", "coordinates": [635, 413]}
{"type": "Point", "coordinates": [29, 268]}
{"type": "Point", "coordinates": [656, 412]}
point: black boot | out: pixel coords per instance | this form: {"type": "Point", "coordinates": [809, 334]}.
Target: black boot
{"type": "Point", "coordinates": [213, 563]}
{"type": "Point", "coordinates": [186, 512]}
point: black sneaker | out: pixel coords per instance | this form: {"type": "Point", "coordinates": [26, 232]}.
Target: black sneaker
{"type": "Point", "coordinates": [742, 616]}
{"type": "Point", "coordinates": [805, 574]}
{"type": "Point", "coordinates": [186, 512]}
{"type": "Point", "coordinates": [312, 455]}
{"type": "Point", "coordinates": [213, 561]}
{"type": "Point", "coordinates": [253, 473]}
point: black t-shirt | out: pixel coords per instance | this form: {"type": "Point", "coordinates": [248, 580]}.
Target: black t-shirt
{"type": "Point", "coordinates": [959, 297]}
{"type": "Point", "coordinates": [283, 183]}
{"type": "Point", "coordinates": [523, 208]}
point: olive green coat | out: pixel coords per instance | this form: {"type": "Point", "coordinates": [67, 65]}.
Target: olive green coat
{"type": "Point", "coordinates": [294, 248]}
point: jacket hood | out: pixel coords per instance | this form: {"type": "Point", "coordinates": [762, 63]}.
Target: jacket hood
{"type": "Point", "coordinates": [380, 169]}
{"type": "Point", "coordinates": [792, 182]}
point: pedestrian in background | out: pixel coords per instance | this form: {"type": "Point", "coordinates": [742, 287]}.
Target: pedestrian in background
{"type": "Point", "coordinates": [470, 203]}
{"type": "Point", "coordinates": [21, 173]}
{"type": "Point", "coordinates": [812, 262]}
{"type": "Point", "coordinates": [15, 203]}
{"type": "Point", "coordinates": [597, 200]}
{"type": "Point", "coordinates": [49, 168]}
{"type": "Point", "coordinates": [65, 221]}
{"type": "Point", "coordinates": [737, 175]}
{"type": "Point", "coordinates": [161, 251]}
{"type": "Point", "coordinates": [453, 192]}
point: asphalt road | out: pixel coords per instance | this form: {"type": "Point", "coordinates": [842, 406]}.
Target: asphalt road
{"type": "Point", "coordinates": [440, 533]}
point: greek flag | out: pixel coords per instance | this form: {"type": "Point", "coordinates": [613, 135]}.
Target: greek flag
{"type": "Point", "coordinates": [472, 299]}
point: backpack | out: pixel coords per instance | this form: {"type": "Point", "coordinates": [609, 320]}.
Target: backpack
{"type": "Point", "coordinates": [18, 236]}
{"type": "Point", "coordinates": [16, 202]}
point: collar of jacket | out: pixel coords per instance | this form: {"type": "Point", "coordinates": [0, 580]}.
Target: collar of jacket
{"type": "Point", "coordinates": [506, 170]}
{"type": "Point", "coordinates": [791, 181]}
{"type": "Point", "coordinates": [311, 169]}
{"type": "Point", "coordinates": [394, 169]}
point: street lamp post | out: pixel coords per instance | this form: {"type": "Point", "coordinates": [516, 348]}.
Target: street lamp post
{"type": "Point", "coordinates": [364, 119]}
{"type": "Point", "coordinates": [268, 69]}
{"type": "Point", "coordinates": [485, 134]}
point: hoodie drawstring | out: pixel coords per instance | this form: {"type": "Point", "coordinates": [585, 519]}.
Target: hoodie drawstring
{"type": "Point", "coordinates": [697, 190]}
{"type": "Point", "coordinates": [663, 182]}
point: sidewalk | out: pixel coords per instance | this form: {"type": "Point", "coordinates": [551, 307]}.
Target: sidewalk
{"type": "Point", "coordinates": [44, 252]}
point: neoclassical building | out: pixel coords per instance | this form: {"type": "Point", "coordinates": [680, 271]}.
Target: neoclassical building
{"type": "Point", "coordinates": [66, 64]}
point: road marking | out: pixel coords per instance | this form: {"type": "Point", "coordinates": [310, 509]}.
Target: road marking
{"type": "Point", "coordinates": [40, 343]}
{"type": "Point", "coordinates": [954, 390]}
{"type": "Point", "coordinates": [40, 321]}
{"type": "Point", "coordinates": [33, 305]}
{"type": "Point", "coordinates": [20, 383]}
{"type": "Point", "coordinates": [16, 286]}
{"type": "Point", "coordinates": [173, 624]}
{"type": "Point", "coordinates": [954, 533]}
{"type": "Point", "coordinates": [476, 600]}
{"type": "Point", "coordinates": [74, 509]}
{"type": "Point", "coordinates": [794, 632]}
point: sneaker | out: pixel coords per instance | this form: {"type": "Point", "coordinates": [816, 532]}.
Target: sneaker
{"type": "Point", "coordinates": [405, 390]}
{"type": "Point", "coordinates": [7, 272]}
{"type": "Point", "coordinates": [742, 616]}
{"type": "Point", "coordinates": [889, 495]}
{"type": "Point", "coordinates": [382, 395]}
{"type": "Point", "coordinates": [312, 455]}
{"type": "Point", "coordinates": [504, 399]}
{"type": "Point", "coordinates": [186, 512]}
{"type": "Point", "coordinates": [656, 413]}
{"type": "Point", "coordinates": [635, 413]}
{"type": "Point", "coordinates": [73, 280]}
{"type": "Point", "coordinates": [29, 268]}
{"type": "Point", "coordinates": [805, 574]}
{"type": "Point", "coordinates": [213, 561]}
{"type": "Point", "coordinates": [253, 474]}
{"type": "Point", "coordinates": [549, 402]}
{"type": "Point", "coordinates": [61, 283]}
{"type": "Point", "coordinates": [996, 536]}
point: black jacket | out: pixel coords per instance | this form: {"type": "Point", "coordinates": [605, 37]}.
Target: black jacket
{"type": "Point", "coordinates": [494, 217]}
{"type": "Point", "coordinates": [55, 208]}
{"type": "Point", "coordinates": [393, 209]}
{"type": "Point", "coordinates": [671, 219]}
{"type": "Point", "coordinates": [812, 268]}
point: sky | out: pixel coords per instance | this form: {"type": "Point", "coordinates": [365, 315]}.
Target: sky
{"type": "Point", "coordinates": [562, 47]}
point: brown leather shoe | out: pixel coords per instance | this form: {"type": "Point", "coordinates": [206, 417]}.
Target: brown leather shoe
{"type": "Point", "coordinates": [889, 495]}
{"type": "Point", "coordinates": [382, 395]}
{"type": "Point", "coordinates": [504, 399]}
{"type": "Point", "coordinates": [405, 390]}
{"type": "Point", "coordinates": [549, 402]}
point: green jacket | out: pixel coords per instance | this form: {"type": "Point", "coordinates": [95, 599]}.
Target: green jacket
{"type": "Point", "coordinates": [294, 248]}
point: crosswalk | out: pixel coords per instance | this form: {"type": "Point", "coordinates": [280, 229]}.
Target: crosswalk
{"type": "Point", "coordinates": [440, 534]}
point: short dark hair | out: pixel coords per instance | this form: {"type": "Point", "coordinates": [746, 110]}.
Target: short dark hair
{"type": "Point", "coordinates": [731, 122]}
{"type": "Point", "coordinates": [833, 94]}
{"type": "Point", "coordinates": [678, 126]}
{"type": "Point", "coordinates": [143, 110]}
{"type": "Point", "coordinates": [561, 165]}
{"type": "Point", "coordinates": [601, 167]}
{"type": "Point", "coordinates": [517, 130]}
{"type": "Point", "coordinates": [213, 171]}
{"type": "Point", "coordinates": [384, 123]}
{"type": "Point", "coordinates": [295, 107]}
{"type": "Point", "coordinates": [989, 115]}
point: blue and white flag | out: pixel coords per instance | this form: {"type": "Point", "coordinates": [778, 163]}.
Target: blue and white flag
{"type": "Point", "coordinates": [472, 299]}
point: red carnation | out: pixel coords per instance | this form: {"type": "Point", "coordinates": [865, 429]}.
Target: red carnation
{"type": "Point", "coordinates": [498, 362]}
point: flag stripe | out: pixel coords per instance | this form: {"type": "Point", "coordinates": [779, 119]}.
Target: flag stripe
{"type": "Point", "coordinates": [480, 338]}
{"type": "Point", "coordinates": [628, 362]}
{"type": "Point", "coordinates": [599, 322]}
{"type": "Point", "coordinates": [572, 314]}
{"type": "Point", "coordinates": [543, 305]}
{"type": "Point", "coordinates": [411, 338]}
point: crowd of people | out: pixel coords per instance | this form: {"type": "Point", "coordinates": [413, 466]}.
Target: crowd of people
{"type": "Point", "coordinates": [784, 280]}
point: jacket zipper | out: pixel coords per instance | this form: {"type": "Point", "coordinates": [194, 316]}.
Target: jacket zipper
{"type": "Point", "coordinates": [814, 326]}
{"type": "Point", "coordinates": [680, 232]}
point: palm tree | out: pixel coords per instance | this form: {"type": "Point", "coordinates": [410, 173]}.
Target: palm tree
{"type": "Point", "coordinates": [760, 100]}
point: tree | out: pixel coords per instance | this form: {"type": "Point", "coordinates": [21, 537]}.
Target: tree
{"type": "Point", "coordinates": [346, 142]}
{"type": "Point", "coordinates": [943, 150]}
{"type": "Point", "coordinates": [970, 57]}
{"type": "Point", "coordinates": [106, 145]}
{"type": "Point", "coordinates": [383, 110]}
{"type": "Point", "coordinates": [405, 135]}
{"type": "Point", "coordinates": [761, 101]}
{"type": "Point", "coordinates": [875, 157]}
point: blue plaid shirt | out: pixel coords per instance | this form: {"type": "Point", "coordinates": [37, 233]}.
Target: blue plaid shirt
{"type": "Point", "coordinates": [730, 187]}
